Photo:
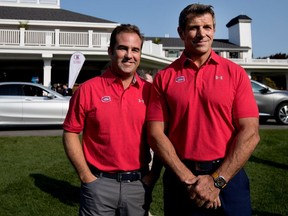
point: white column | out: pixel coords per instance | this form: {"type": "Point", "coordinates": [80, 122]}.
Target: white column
{"type": "Point", "coordinates": [248, 73]}
{"type": "Point", "coordinates": [22, 36]}
{"type": "Point", "coordinates": [57, 37]}
{"type": "Point", "coordinates": [90, 38]}
{"type": "Point", "coordinates": [47, 58]}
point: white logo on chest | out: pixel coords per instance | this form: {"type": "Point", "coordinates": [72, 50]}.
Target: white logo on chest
{"type": "Point", "coordinates": [219, 77]}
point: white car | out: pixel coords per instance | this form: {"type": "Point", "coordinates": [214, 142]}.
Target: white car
{"type": "Point", "coordinates": [24, 103]}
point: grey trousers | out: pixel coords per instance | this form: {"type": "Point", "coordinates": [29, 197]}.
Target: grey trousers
{"type": "Point", "coordinates": [107, 197]}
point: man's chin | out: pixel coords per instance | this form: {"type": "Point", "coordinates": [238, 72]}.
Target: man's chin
{"type": "Point", "coordinates": [128, 70]}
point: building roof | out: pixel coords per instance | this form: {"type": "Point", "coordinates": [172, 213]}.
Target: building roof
{"type": "Point", "coordinates": [46, 14]}
{"type": "Point", "coordinates": [224, 43]}
{"type": "Point", "coordinates": [169, 42]}
{"type": "Point", "coordinates": [237, 19]}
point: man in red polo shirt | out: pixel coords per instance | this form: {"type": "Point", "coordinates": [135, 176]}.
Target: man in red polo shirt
{"type": "Point", "coordinates": [112, 161]}
{"type": "Point", "coordinates": [203, 124]}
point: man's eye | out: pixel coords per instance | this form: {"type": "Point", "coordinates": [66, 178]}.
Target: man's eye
{"type": "Point", "coordinates": [121, 48]}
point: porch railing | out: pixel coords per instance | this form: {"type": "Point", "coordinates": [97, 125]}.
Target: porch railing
{"type": "Point", "coordinates": [55, 38]}
{"type": "Point", "coordinates": [89, 39]}
{"type": "Point", "coordinates": [9, 37]}
{"type": "Point", "coordinates": [63, 39]}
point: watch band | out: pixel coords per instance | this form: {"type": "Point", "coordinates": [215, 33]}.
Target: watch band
{"type": "Point", "coordinates": [215, 175]}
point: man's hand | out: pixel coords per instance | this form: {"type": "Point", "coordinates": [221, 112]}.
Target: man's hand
{"type": "Point", "coordinates": [203, 192]}
{"type": "Point", "coordinates": [88, 178]}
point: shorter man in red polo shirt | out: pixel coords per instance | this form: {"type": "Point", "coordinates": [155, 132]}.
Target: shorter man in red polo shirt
{"type": "Point", "coordinates": [203, 124]}
{"type": "Point", "coordinates": [112, 161]}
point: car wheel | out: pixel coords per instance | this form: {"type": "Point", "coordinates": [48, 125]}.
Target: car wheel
{"type": "Point", "coordinates": [282, 114]}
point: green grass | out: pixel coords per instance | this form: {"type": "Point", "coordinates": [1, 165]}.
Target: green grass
{"type": "Point", "coordinates": [37, 178]}
{"type": "Point", "coordinates": [268, 172]}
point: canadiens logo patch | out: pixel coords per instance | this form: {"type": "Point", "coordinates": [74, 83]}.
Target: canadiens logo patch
{"type": "Point", "coordinates": [106, 99]}
{"type": "Point", "coordinates": [180, 79]}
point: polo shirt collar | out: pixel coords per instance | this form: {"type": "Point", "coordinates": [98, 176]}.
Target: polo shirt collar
{"type": "Point", "coordinates": [214, 58]}
{"type": "Point", "coordinates": [111, 78]}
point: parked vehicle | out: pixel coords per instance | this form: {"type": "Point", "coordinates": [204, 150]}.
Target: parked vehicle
{"type": "Point", "coordinates": [24, 103]}
{"type": "Point", "coordinates": [272, 103]}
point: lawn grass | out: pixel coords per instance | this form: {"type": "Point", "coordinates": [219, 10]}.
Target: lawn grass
{"type": "Point", "coordinates": [268, 172]}
{"type": "Point", "coordinates": [37, 178]}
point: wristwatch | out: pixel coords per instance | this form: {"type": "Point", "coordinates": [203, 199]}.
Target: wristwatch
{"type": "Point", "coordinates": [219, 181]}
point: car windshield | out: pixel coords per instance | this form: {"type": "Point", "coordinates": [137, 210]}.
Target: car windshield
{"type": "Point", "coordinates": [256, 87]}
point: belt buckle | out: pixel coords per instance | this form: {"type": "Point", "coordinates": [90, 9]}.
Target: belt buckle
{"type": "Point", "coordinates": [203, 166]}
{"type": "Point", "coordinates": [133, 176]}
{"type": "Point", "coordinates": [120, 177]}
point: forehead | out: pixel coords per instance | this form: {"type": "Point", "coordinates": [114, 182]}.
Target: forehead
{"type": "Point", "coordinates": [201, 19]}
{"type": "Point", "coordinates": [128, 38]}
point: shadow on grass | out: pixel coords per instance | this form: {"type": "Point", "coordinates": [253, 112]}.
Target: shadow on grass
{"type": "Point", "coordinates": [269, 163]}
{"type": "Point", "coordinates": [62, 190]}
{"type": "Point", "coordinates": [261, 213]}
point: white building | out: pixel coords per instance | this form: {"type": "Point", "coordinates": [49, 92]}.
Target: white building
{"type": "Point", "coordinates": [37, 38]}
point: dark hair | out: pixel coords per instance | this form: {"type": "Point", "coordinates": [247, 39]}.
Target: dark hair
{"type": "Point", "coordinates": [127, 28]}
{"type": "Point", "coordinates": [195, 10]}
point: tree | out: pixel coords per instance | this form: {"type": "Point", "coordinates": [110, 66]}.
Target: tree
{"type": "Point", "coordinates": [276, 56]}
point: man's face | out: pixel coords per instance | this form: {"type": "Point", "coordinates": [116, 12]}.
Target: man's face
{"type": "Point", "coordinates": [198, 35]}
{"type": "Point", "coordinates": [125, 56]}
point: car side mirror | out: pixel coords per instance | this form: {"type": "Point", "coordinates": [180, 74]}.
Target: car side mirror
{"type": "Point", "coordinates": [50, 96]}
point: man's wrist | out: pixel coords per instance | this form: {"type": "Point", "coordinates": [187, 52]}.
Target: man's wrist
{"type": "Point", "coordinates": [219, 181]}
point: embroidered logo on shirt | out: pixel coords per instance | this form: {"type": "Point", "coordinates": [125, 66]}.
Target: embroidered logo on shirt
{"type": "Point", "coordinates": [180, 79]}
{"type": "Point", "coordinates": [106, 99]}
{"type": "Point", "coordinates": [219, 77]}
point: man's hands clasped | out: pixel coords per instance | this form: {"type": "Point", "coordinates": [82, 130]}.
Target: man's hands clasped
{"type": "Point", "coordinates": [203, 192]}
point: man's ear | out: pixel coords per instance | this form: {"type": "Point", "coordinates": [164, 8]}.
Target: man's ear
{"type": "Point", "coordinates": [180, 32]}
{"type": "Point", "coordinates": [110, 51]}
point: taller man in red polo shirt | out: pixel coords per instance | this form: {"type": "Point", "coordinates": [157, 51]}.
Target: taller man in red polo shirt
{"type": "Point", "coordinates": [203, 124]}
{"type": "Point", "coordinates": [110, 111]}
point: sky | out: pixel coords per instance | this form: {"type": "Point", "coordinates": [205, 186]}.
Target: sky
{"type": "Point", "coordinates": [158, 18]}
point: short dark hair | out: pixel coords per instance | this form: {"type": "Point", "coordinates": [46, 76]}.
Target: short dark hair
{"type": "Point", "coordinates": [195, 10]}
{"type": "Point", "coordinates": [127, 28]}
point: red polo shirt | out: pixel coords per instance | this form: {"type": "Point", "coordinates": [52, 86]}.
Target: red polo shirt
{"type": "Point", "coordinates": [200, 105]}
{"type": "Point", "coordinates": [113, 122]}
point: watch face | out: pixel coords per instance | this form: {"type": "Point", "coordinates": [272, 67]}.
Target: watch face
{"type": "Point", "coordinates": [220, 182]}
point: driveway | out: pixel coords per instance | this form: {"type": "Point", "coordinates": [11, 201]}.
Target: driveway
{"type": "Point", "coordinates": [31, 131]}
{"type": "Point", "coordinates": [57, 130]}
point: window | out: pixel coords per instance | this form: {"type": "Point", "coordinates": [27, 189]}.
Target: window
{"type": "Point", "coordinates": [256, 87]}
{"type": "Point", "coordinates": [34, 91]}
{"type": "Point", "coordinates": [233, 54]}
{"type": "Point", "coordinates": [11, 90]}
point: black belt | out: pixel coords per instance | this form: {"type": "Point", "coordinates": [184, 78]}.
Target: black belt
{"type": "Point", "coordinates": [129, 176]}
{"type": "Point", "coordinates": [205, 166]}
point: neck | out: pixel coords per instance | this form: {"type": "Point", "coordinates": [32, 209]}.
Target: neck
{"type": "Point", "coordinates": [126, 82]}
{"type": "Point", "coordinates": [197, 59]}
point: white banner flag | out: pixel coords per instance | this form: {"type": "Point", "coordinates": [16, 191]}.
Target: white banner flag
{"type": "Point", "coordinates": [76, 62]}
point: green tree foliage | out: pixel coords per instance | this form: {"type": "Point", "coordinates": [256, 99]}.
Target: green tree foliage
{"type": "Point", "coordinates": [276, 56]}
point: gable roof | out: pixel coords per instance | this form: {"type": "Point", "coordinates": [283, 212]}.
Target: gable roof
{"type": "Point", "coordinates": [169, 42]}
{"type": "Point", "coordinates": [237, 20]}
{"type": "Point", "coordinates": [46, 14]}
